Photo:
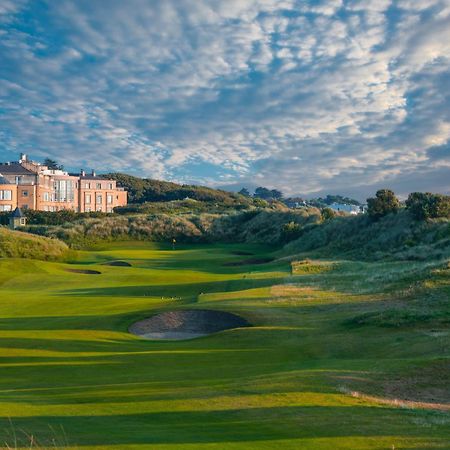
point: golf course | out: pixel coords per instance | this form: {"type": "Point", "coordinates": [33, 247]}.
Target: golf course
{"type": "Point", "coordinates": [326, 358]}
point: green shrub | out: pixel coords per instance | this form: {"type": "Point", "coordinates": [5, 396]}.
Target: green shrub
{"type": "Point", "coordinates": [328, 214]}
{"type": "Point", "coordinates": [384, 202]}
{"type": "Point", "coordinates": [425, 205]}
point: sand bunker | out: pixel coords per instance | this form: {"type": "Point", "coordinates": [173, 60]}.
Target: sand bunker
{"type": "Point", "coordinates": [186, 324]}
{"type": "Point", "coordinates": [117, 264]}
{"type": "Point", "coordinates": [84, 271]}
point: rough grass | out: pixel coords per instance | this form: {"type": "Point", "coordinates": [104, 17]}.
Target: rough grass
{"type": "Point", "coordinates": [15, 244]}
{"type": "Point", "coordinates": [68, 363]}
{"type": "Point", "coordinates": [396, 236]}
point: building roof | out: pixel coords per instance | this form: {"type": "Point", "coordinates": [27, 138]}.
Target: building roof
{"type": "Point", "coordinates": [92, 177]}
{"type": "Point", "coordinates": [3, 180]}
{"type": "Point", "coordinates": [14, 169]}
{"type": "Point", "coordinates": [18, 213]}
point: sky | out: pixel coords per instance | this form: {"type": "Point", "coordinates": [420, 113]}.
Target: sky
{"type": "Point", "coordinates": [309, 97]}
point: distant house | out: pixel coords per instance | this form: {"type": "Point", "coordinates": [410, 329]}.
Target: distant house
{"type": "Point", "coordinates": [295, 204]}
{"type": "Point", "coordinates": [349, 209]}
{"type": "Point", "coordinates": [17, 219]}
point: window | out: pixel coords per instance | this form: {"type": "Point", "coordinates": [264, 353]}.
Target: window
{"type": "Point", "coordinates": [87, 209]}
{"type": "Point", "coordinates": [109, 199]}
{"type": "Point", "coordinates": [99, 208]}
{"type": "Point", "coordinates": [5, 195]}
{"type": "Point", "coordinates": [23, 221]}
{"type": "Point", "coordinates": [87, 185]}
{"type": "Point", "coordinates": [46, 197]}
{"type": "Point", "coordinates": [99, 199]}
{"type": "Point", "coordinates": [24, 193]}
{"type": "Point", "coordinates": [87, 198]}
{"type": "Point", "coordinates": [24, 206]}
{"type": "Point", "coordinates": [65, 190]}
{"type": "Point", "coordinates": [5, 207]}
{"type": "Point", "coordinates": [99, 185]}
{"type": "Point", "coordinates": [111, 186]}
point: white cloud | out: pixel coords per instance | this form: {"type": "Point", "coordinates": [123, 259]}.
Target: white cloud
{"type": "Point", "coordinates": [309, 98]}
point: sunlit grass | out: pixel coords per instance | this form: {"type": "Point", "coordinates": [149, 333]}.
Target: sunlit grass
{"type": "Point", "coordinates": [68, 363]}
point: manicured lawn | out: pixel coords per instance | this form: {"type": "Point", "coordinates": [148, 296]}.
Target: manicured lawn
{"type": "Point", "coordinates": [70, 372]}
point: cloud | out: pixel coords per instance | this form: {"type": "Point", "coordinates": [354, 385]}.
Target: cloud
{"type": "Point", "coordinates": [301, 95]}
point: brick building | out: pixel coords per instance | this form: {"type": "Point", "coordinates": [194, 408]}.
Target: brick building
{"type": "Point", "coordinates": [30, 185]}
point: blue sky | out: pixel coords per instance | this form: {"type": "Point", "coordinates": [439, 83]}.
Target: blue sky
{"type": "Point", "coordinates": [310, 97]}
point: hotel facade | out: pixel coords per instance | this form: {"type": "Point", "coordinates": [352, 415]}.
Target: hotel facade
{"type": "Point", "coordinates": [30, 185]}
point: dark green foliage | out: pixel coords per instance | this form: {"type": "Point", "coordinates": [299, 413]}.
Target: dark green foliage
{"type": "Point", "coordinates": [425, 205]}
{"type": "Point", "coordinates": [180, 207]}
{"type": "Point", "coordinates": [330, 199]}
{"type": "Point", "coordinates": [385, 202]}
{"type": "Point", "coordinates": [58, 217]}
{"type": "Point", "coordinates": [145, 190]}
{"type": "Point", "coordinates": [52, 164]}
{"type": "Point", "coordinates": [262, 192]}
{"type": "Point", "coordinates": [268, 194]}
{"type": "Point", "coordinates": [276, 194]}
{"type": "Point", "coordinates": [4, 218]}
{"type": "Point", "coordinates": [291, 231]}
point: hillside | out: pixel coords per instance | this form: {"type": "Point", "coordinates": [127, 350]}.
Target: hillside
{"type": "Point", "coordinates": [264, 226]}
{"type": "Point", "coordinates": [15, 244]}
{"type": "Point", "coordinates": [141, 190]}
{"type": "Point", "coordinates": [397, 236]}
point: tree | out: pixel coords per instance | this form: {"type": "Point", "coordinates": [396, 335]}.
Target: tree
{"type": "Point", "coordinates": [384, 202]}
{"type": "Point", "coordinates": [264, 193]}
{"type": "Point", "coordinates": [425, 205]}
{"type": "Point", "coordinates": [268, 194]}
{"type": "Point", "coordinates": [276, 194]}
{"type": "Point", "coordinates": [244, 192]}
{"type": "Point", "coordinates": [52, 164]}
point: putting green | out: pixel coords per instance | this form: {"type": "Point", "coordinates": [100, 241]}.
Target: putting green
{"type": "Point", "coordinates": [72, 376]}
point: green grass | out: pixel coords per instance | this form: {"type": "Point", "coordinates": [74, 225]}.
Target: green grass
{"type": "Point", "coordinates": [70, 372]}
{"type": "Point", "coordinates": [15, 244]}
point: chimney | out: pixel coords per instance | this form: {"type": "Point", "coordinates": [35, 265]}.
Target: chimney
{"type": "Point", "coordinates": [82, 173]}
{"type": "Point", "coordinates": [23, 157]}
{"type": "Point", "coordinates": [93, 173]}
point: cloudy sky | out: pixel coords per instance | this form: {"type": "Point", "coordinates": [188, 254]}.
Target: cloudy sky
{"type": "Point", "coordinates": [337, 96]}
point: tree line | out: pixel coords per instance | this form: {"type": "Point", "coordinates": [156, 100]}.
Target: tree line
{"type": "Point", "coordinates": [422, 205]}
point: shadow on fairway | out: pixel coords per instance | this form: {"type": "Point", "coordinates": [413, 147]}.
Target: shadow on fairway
{"type": "Point", "coordinates": [237, 425]}
{"type": "Point", "coordinates": [175, 290]}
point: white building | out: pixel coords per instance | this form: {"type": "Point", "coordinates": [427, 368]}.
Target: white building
{"type": "Point", "coordinates": [349, 209]}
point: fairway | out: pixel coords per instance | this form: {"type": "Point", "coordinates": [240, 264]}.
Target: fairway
{"type": "Point", "coordinates": [300, 377]}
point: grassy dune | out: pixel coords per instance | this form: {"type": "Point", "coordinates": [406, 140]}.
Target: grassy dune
{"type": "Point", "coordinates": [15, 244]}
{"type": "Point", "coordinates": [332, 362]}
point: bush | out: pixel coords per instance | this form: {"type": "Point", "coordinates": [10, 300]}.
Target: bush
{"type": "Point", "coordinates": [425, 205]}
{"type": "Point", "coordinates": [384, 203]}
{"type": "Point", "coordinates": [327, 214]}
{"type": "Point", "coordinates": [291, 231]}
